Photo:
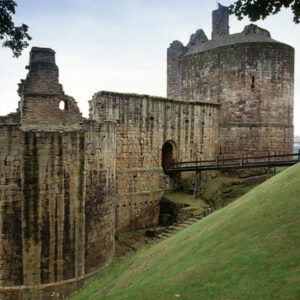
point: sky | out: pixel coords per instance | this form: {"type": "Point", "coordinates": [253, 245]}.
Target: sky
{"type": "Point", "coordinates": [121, 45]}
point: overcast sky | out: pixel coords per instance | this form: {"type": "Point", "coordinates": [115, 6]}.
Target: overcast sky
{"type": "Point", "coordinates": [120, 45]}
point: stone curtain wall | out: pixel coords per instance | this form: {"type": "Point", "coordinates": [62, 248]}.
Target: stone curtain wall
{"type": "Point", "coordinates": [100, 190]}
{"type": "Point", "coordinates": [11, 196]}
{"type": "Point", "coordinates": [254, 84]}
{"type": "Point", "coordinates": [144, 124]}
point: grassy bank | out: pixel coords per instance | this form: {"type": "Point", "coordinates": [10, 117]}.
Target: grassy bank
{"type": "Point", "coordinates": [247, 250]}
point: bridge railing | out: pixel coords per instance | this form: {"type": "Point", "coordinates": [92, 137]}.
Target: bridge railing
{"type": "Point", "coordinates": [239, 159]}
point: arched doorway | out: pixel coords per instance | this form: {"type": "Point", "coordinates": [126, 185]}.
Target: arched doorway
{"type": "Point", "coordinates": [168, 155]}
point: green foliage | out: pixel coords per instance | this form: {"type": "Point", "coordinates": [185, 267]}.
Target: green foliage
{"type": "Point", "coordinates": [14, 37]}
{"type": "Point", "coordinates": [247, 250]}
{"type": "Point", "coordinates": [260, 9]}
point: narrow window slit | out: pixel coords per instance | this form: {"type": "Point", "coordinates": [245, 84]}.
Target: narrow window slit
{"type": "Point", "coordinates": [253, 85]}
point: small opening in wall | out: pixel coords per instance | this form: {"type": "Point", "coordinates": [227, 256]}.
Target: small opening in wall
{"type": "Point", "coordinates": [252, 84]}
{"type": "Point", "coordinates": [151, 118]}
{"type": "Point", "coordinates": [63, 105]}
{"type": "Point", "coordinates": [187, 121]}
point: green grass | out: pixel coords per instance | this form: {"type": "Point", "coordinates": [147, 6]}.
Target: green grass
{"type": "Point", "coordinates": [247, 250]}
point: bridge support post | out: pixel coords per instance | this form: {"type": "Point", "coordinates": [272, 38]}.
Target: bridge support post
{"type": "Point", "coordinates": [196, 182]}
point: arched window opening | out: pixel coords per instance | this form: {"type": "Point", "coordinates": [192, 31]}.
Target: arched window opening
{"type": "Point", "coordinates": [63, 105]}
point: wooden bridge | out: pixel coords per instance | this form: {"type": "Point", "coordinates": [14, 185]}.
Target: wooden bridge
{"type": "Point", "coordinates": [234, 162]}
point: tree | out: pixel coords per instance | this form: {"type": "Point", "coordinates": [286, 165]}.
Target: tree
{"type": "Point", "coordinates": [15, 38]}
{"type": "Point", "coordinates": [260, 9]}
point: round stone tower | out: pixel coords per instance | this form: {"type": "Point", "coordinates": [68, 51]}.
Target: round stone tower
{"type": "Point", "coordinates": [249, 74]}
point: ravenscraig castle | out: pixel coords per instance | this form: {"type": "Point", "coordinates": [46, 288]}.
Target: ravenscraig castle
{"type": "Point", "coordinates": [68, 183]}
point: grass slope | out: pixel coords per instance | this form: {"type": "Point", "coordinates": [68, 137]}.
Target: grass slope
{"type": "Point", "coordinates": [247, 250]}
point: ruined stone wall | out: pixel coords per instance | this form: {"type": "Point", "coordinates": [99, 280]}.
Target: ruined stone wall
{"type": "Point", "coordinates": [56, 207]}
{"type": "Point", "coordinates": [174, 54]}
{"type": "Point", "coordinates": [57, 191]}
{"type": "Point", "coordinates": [41, 93]}
{"type": "Point", "coordinates": [220, 22]}
{"type": "Point", "coordinates": [254, 84]}
{"type": "Point", "coordinates": [144, 125]}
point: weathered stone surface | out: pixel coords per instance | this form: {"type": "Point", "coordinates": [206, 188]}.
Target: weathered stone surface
{"type": "Point", "coordinates": [144, 125]}
{"type": "Point", "coordinates": [67, 183]}
{"type": "Point", "coordinates": [57, 190]}
{"type": "Point", "coordinates": [250, 75]}
{"type": "Point", "coordinates": [220, 22]}
{"type": "Point", "coordinates": [41, 94]}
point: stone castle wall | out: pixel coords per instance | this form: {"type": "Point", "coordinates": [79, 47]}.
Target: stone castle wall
{"type": "Point", "coordinates": [68, 183]}
{"type": "Point", "coordinates": [57, 199]}
{"type": "Point", "coordinates": [144, 125]}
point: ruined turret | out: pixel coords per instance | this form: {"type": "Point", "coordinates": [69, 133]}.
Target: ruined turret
{"type": "Point", "coordinates": [43, 100]}
{"type": "Point", "coordinates": [220, 22]}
